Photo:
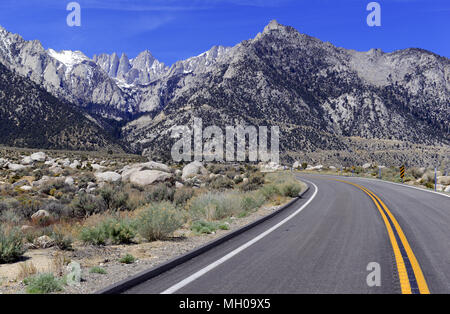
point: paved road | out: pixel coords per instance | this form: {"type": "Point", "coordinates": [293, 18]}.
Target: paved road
{"type": "Point", "coordinates": [324, 242]}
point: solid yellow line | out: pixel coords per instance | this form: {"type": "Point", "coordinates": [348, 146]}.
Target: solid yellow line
{"type": "Point", "coordinates": [401, 268]}
{"type": "Point", "coordinates": [421, 282]}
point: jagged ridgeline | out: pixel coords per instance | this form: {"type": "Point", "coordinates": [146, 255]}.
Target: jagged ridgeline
{"type": "Point", "coordinates": [323, 98]}
{"type": "Point", "coordinates": [31, 117]}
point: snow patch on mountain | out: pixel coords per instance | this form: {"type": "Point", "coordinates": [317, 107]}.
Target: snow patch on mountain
{"type": "Point", "coordinates": [68, 58]}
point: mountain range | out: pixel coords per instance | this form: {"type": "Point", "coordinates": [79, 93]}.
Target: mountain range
{"type": "Point", "coordinates": [322, 97]}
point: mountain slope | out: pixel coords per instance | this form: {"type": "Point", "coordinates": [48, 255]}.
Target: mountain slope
{"type": "Point", "coordinates": [67, 75]}
{"type": "Point", "coordinates": [317, 93]}
{"type": "Point", "coordinates": [322, 97]}
{"type": "Point", "coordinates": [31, 117]}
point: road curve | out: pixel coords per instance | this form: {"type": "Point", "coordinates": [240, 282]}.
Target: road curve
{"type": "Point", "coordinates": [324, 243]}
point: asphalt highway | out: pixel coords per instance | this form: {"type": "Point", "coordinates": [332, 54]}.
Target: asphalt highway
{"type": "Point", "coordinates": [324, 243]}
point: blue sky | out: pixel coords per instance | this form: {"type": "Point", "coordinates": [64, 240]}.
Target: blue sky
{"type": "Point", "coordinates": [177, 29]}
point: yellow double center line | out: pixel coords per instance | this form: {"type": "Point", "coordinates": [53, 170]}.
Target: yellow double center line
{"type": "Point", "coordinates": [409, 271]}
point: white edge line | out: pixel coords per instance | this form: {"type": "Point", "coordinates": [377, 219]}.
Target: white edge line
{"type": "Point", "coordinates": [222, 260]}
{"type": "Point", "coordinates": [404, 185]}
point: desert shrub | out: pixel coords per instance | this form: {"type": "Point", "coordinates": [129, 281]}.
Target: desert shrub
{"type": "Point", "coordinates": [98, 270]}
{"type": "Point", "coordinates": [255, 181]}
{"type": "Point", "coordinates": [158, 221]}
{"type": "Point", "coordinates": [251, 201]}
{"type": "Point", "coordinates": [121, 231]}
{"type": "Point", "coordinates": [10, 216]}
{"type": "Point", "coordinates": [113, 230]}
{"type": "Point", "coordinates": [160, 193]}
{"type": "Point", "coordinates": [304, 165]}
{"type": "Point", "coordinates": [56, 209]}
{"type": "Point", "coordinates": [51, 187]}
{"type": "Point", "coordinates": [85, 179]}
{"type": "Point", "coordinates": [429, 185]}
{"type": "Point", "coordinates": [27, 207]}
{"type": "Point", "coordinates": [127, 259]}
{"type": "Point", "coordinates": [3, 206]}
{"type": "Point", "coordinates": [182, 195]}
{"type": "Point", "coordinates": [85, 205]}
{"type": "Point", "coordinates": [221, 183]}
{"type": "Point", "coordinates": [270, 191]}
{"type": "Point", "coordinates": [214, 168]}
{"type": "Point", "coordinates": [94, 235]}
{"type": "Point", "coordinates": [44, 283]}
{"type": "Point", "coordinates": [114, 198]}
{"type": "Point", "coordinates": [62, 241]}
{"type": "Point", "coordinates": [206, 227]}
{"type": "Point", "coordinates": [291, 189]}
{"type": "Point", "coordinates": [216, 206]}
{"type": "Point", "coordinates": [39, 173]}
{"type": "Point", "coordinates": [11, 245]}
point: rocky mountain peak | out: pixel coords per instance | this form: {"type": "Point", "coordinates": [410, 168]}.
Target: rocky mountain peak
{"type": "Point", "coordinates": [273, 25]}
{"type": "Point", "coordinates": [124, 65]}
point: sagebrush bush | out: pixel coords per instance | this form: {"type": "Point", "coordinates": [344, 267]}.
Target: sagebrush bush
{"type": "Point", "coordinates": [255, 181]}
{"type": "Point", "coordinates": [291, 189]}
{"type": "Point", "coordinates": [127, 259]}
{"type": "Point", "coordinates": [206, 227]}
{"type": "Point", "coordinates": [113, 230]}
{"type": "Point", "coordinates": [94, 235]}
{"type": "Point", "coordinates": [10, 216]}
{"type": "Point", "coordinates": [43, 283]}
{"type": "Point", "coordinates": [182, 195]}
{"type": "Point", "coordinates": [114, 198]}
{"type": "Point", "coordinates": [221, 183]}
{"type": "Point", "coordinates": [121, 231]}
{"type": "Point", "coordinates": [252, 201]}
{"type": "Point", "coordinates": [62, 241]}
{"type": "Point", "coordinates": [98, 270]}
{"type": "Point", "coordinates": [160, 192]}
{"type": "Point", "coordinates": [27, 206]}
{"type": "Point", "coordinates": [56, 209]}
{"type": "Point", "coordinates": [158, 221]}
{"type": "Point", "coordinates": [269, 191]}
{"type": "Point", "coordinates": [216, 206]}
{"type": "Point", "coordinates": [11, 246]}
{"type": "Point", "coordinates": [85, 205]}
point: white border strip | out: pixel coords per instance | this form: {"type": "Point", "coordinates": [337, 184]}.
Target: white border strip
{"type": "Point", "coordinates": [210, 267]}
{"type": "Point", "coordinates": [404, 185]}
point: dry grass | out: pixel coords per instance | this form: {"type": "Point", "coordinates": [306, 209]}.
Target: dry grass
{"type": "Point", "coordinates": [59, 262]}
{"type": "Point", "coordinates": [26, 270]}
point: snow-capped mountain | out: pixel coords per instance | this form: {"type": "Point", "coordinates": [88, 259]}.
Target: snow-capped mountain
{"type": "Point", "coordinates": [322, 97]}
{"type": "Point", "coordinates": [66, 74]}
{"type": "Point", "coordinates": [106, 85]}
{"type": "Point", "coordinates": [68, 58]}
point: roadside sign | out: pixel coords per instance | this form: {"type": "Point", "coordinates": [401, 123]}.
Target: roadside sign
{"type": "Point", "coordinates": [402, 172]}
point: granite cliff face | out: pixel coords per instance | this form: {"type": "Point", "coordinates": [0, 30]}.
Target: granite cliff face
{"type": "Point", "coordinates": [67, 75]}
{"type": "Point", "coordinates": [318, 94]}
